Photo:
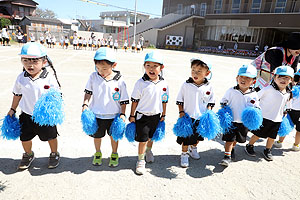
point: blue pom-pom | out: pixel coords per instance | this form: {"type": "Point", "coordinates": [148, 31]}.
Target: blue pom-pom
{"type": "Point", "coordinates": [296, 91]}
{"type": "Point", "coordinates": [11, 128]}
{"type": "Point", "coordinates": [130, 132]}
{"type": "Point", "coordinates": [252, 118]}
{"type": "Point", "coordinates": [89, 122]}
{"type": "Point", "coordinates": [225, 116]}
{"type": "Point", "coordinates": [159, 133]}
{"type": "Point", "coordinates": [286, 126]}
{"type": "Point", "coordinates": [183, 126]}
{"type": "Point", "coordinates": [117, 128]}
{"type": "Point", "coordinates": [48, 110]}
{"type": "Point", "coordinates": [209, 125]}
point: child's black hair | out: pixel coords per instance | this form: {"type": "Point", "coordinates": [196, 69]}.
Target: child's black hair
{"type": "Point", "coordinates": [106, 61]}
{"type": "Point", "coordinates": [52, 67]}
{"type": "Point", "coordinates": [296, 78]}
{"type": "Point", "coordinates": [199, 63]}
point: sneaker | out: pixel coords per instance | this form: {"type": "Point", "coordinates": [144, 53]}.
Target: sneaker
{"type": "Point", "coordinates": [226, 161]}
{"type": "Point", "coordinates": [184, 160]}
{"type": "Point", "coordinates": [192, 151]}
{"type": "Point", "coordinates": [250, 150]}
{"type": "Point", "coordinates": [149, 156]}
{"type": "Point", "coordinates": [53, 160]}
{"type": "Point", "coordinates": [232, 154]}
{"type": "Point", "coordinates": [277, 144]}
{"type": "Point", "coordinates": [296, 147]}
{"type": "Point", "coordinates": [97, 161]}
{"type": "Point", "coordinates": [26, 161]}
{"type": "Point", "coordinates": [114, 160]}
{"type": "Point", "coordinates": [140, 167]}
{"type": "Point", "coordinates": [268, 155]}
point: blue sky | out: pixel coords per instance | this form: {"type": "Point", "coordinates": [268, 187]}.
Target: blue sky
{"type": "Point", "coordinates": [76, 9]}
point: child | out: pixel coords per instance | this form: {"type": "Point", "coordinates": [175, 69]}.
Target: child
{"type": "Point", "coordinates": [295, 116]}
{"type": "Point", "coordinates": [133, 47]}
{"type": "Point", "coordinates": [138, 47]}
{"type": "Point", "coordinates": [238, 98]}
{"type": "Point", "coordinates": [272, 100]}
{"type": "Point", "coordinates": [29, 86]}
{"type": "Point", "coordinates": [109, 98]}
{"type": "Point", "coordinates": [75, 43]}
{"type": "Point", "coordinates": [194, 98]}
{"type": "Point", "coordinates": [66, 42]}
{"type": "Point", "coordinates": [90, 43]}
{"type": "Point", "coordinates": [53, 41]}
{"type": "Point", "coordinates": [149, 101]}
{"type": "Point", "coordinates": [20, 39]}
{"type": "Point", "coordinates": [125, 45]}
{"type": "Point", "coordinates": [42, 39]}
{"type": "Point", "coordinates": [116, 45]}
{"type": "Point", "coordinates": [80, 42]}
{"type": "Point", "coordinates": [32, 38]}
{"type": "Point", "coordinates": [84, 43]}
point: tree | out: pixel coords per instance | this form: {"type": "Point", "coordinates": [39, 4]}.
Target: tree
{"type": "Point", "coordinates": [4, 22]}
{"type": "Point", "coordinates": [47, 14]}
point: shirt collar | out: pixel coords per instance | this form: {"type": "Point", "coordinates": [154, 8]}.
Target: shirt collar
{"type": "Point", "coordinates": [275, 86]}
{"type": "Point", "coordinates": [116, 77]}
{"type": "Point", "coordinates": [147, 78]}
{"type": "Point", "coordinates": [44, 74]}
{"type": "Point", "coordinates": [237, 87]}
{"type": "Point", "coordinates": [190, 80]}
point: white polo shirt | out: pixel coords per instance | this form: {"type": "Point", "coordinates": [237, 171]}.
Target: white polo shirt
{"type": "Point", "coordinates": [107, 96]}
{"type": "Point", "coordinates": [273, 102]}
{"type": "Point", "coordinates": [195, 98]}
{"type": "Point", "coordinates": [150, 95]}
{"type": "Point", "coordinates": [32, 90]}
{"type": "Point", "coordinates": [238, 101]}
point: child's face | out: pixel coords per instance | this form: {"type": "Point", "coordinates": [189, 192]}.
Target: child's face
{"type": "Point", "coordinates": [282, 81]}
{"type": "Point", "coordinates": [153, 69]}
{"type": "Point", "coordinates": [244, 82]}
{"type": "Point", "coordinates": [198, 73]}
{"type": "Point", "coordinates": [33, 65]}
{"type": "Point", "coordinates": [103, 68]}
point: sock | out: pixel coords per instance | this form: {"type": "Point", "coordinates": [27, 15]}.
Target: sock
{"type": "Point", "coordinates": [141, 156]}
{"type": "Point", "coordinates": [228, 154]}
{"type": "Point", "coordinates": [148, 149]}
{"type": "Point", "coordinates": [30, 154]}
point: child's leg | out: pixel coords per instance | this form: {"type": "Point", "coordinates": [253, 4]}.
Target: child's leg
{"type": "Point", "coordinates": [281, 139]}
{"type": "Point", "coordinates": [27, 145]}
{"type": "Point", "coordinates": [253, 139]}
{"type": "Point", "coordinates": [53, 145]}
{"type": "Point", "coordinates": [141, 150]}
{"type": "Point", "coordinates": [297, 138]}
{"type": "Point", "coordinates": [270, 142]}
{"type": "Point", "coordinates": [97, 143]}
{"type": "Point", "coordinates": [114, 145]}
{"type": "Point", "coordinates": [228, 147]}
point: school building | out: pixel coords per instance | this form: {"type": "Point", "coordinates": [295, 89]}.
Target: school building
{"type": "Point", "coordinates": [196, 23]}
{"type": "Point", "coordinates": [17, 9]}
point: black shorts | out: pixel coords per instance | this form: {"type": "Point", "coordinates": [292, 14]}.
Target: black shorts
{"type": "Point", "coordinates": [115, 47]}
{"type": "Point", "coordinates": [125, 47]}
{"type": "Point", "coordinates": [84, 45]}
{"type": "Point", "coordinates": [268, 129]}
{"type": "Point", "coordinates": [193, 139]}
{"type": "Point", "coordinates": [145, 127]}
{"type": "Point", "coordinates": [66, 44]}
{"type": "Point", "coordinates": [90, 45]}
{"type": "Point", "coordinates": [111, 47]}
{"type": "Point", "coordinates": [138, 49]}
{"type": "Point", "coordinates": [75, 45]}
{"type": "Point", "coordinates": [104, 126]}
{"type": "Point", "coordinates": [29, 129]}
{"type": "Point", "coordinates": [237, 133]}
{"type": "Point", "coordinates": [0, 39]}
{"type": "Point", "coordinates": [80, 45]}
{"type": "Point", "coordinates": [42, 42]}
{"type": "Point", "coordinates": [19, 41]}
{"type": "Point", "coordinates": [133, 48]}
{"type": "Point", "coordinates": [295, 116]}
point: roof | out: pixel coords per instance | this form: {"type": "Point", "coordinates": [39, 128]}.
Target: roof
{"type": "Point", "coordinates": [40, 19]}
{"type": "Point", "coordinates": [121, 13]}
{"type": "Point", "coordinates": [19, 3]}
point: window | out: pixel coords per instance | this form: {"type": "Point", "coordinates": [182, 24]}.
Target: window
{"type": "Point", "coordinates": [180, 9]}
{"type": "Point", "coordinates": [235, 6]}
{"type": "Point", "coordinates": [280, 6]}
{"type": "Point", "coordinates": [218, 7]}
{"type": "Point", "coordinates": [203, 9]}
{"type": "Point", "coordinates": [255, 6]}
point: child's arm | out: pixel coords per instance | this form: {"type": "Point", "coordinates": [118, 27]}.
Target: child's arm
{"type": "Point", "coordinates": [181, 111]}
{"type": "Point", "coordinates": [14, 105]}
{"type": "Point", "coordinates": [132, 112]}
{"type": "Point", "coordinates": [163, 114]}
{"type": "Point", "coordinates": [123, 109]}
{"type": "Point", "coordinates": [86, 100]}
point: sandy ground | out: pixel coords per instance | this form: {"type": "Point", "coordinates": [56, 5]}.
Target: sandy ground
{"type": "Point", "coordinates": [76, 178]}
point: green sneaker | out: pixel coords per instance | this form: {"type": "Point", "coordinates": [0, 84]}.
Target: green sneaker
{"type": "Point", "coordinates": [114, 160]}
{"type": "Point", "coordinates": [97, 159]}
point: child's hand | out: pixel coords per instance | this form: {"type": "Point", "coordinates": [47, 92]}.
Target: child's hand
{"type": "Point", "coordinates": [84, 108]}
{"type": "Point", "coordinates": [11, 113]}
{"type": "Point", "coordinates": [131, 119]}
{"type": "Point", "coordinates": [123, 117]}
{"type": "Point", "coordinates": [162, 118]}
{"type": "Point", "coordinates": [181, 114]}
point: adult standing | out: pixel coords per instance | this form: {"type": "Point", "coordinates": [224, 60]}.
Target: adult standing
{"type": "Point", "coordinates": [287, 53]}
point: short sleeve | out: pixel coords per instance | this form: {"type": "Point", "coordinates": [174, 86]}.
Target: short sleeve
{"type": "Point", "coordinates": [226, 98]}
{"type": "Point", "coordinates": [17, 90]}
{"type": "Point", "coordinates": [89, 86]}
{"type": "Point", "coordinates": [136, 93]}
{"type": "Point", "coordinates": [180, 96]}
{"type": "Point", "coordinates": [124, 95]}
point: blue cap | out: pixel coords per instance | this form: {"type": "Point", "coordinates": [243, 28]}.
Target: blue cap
{"type": "Point", "coordinates": [33, 50]}
{"type": "Point", "coordinates": [248, 71]}
{"type": "Point", "coordinates": [284, 71]}
{"type": "Point", "coordinates": [206, 62]}
{"type": "Point", "coordinates": [105, 53]}
{"type": "Point", "coordinates": [298, 72]}
{"type": "Point", "coordinates": [154, 56]}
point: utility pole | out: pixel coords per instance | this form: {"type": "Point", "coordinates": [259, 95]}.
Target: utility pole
{"type": "Point", "coordinates": [134, 29]}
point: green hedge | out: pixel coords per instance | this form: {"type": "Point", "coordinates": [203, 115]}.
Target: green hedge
{"type": "Point", "coordinates": [4, 22]}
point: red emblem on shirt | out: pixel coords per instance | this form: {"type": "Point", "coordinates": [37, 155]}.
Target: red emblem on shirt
{"type": "Point", "coordinates": [164, 89]}
{"type": "Point", "coordinates": [252, 101]}
{"type": "Point", "coordinates": [46, 87]}
{"type": "Point", "coordinates": [117, 89]}
{"type": "Point", "coordinates": [208, 93]}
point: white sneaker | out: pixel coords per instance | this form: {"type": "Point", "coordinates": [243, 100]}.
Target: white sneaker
{"type": "Point", "coordinates": [277, 144]}
{"type": "Point", "coordinates": [184, 160]}
{"type": "Point", "coordinates": [296, 147]}
{"type": "Point", "coordinates": [140, 167]}
{"type": "Point", "coordinates": [192, 151]}
{"type": "Point", "coordinates": [149, 157]}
